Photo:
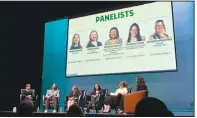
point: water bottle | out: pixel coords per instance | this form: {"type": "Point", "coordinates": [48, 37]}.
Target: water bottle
{"type": "Point", "coordinates": [14, 109]}
{"type": "Point", "coordinates": [38, 110]}
{"type": "Point", "coordinates": [102, 110]}
{"type": "Point", "coordinates": [60, 110]}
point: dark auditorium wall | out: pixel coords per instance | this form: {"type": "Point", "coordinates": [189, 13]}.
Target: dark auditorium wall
{"type": "Point", "coordinates": [176, 89]}
{"type": "Point", "coordinates": [22, 50]}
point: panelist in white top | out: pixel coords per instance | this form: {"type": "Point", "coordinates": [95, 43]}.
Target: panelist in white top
{"type": "Point", "coordinates": [114, 98]}
{"type": "Point", "coordinates": [122, 91]}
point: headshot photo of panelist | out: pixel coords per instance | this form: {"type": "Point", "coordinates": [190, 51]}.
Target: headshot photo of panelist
{"type": "Point", "coordinates": [93, 40]}
{"type": "Point", "coordinates": [160, 30]}
{"type": "Point", "coordinates": [75, 42]}
{"type": "Point", "coordinates": [114, 37]}
{"type": "Point", "coordinates": [134, 34]}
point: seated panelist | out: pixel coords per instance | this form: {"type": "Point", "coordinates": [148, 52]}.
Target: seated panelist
{"type": "Point", "coordinates": [140, 85]}
{"type": "Point", "coordinates": [115, 98]}
{"type": "Point", "coordinates": [97, 91]}
{"type": "Point", "coordinates": [27, 94]}
{"type": "Point", "coordinates": [73, 96]}
{"type": "Point", "coordinates": [52, 95]}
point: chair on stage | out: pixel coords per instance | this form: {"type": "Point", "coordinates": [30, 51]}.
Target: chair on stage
{"type": "Point", "coordinates": [34, 97]}
{"type": "Point", "coordinates": [51, 106]}
{"type": "Point", "coordinates": [81, 100]}
{"type": "Point", "coordinates": [131, 100]}
{"type": "Point", "coordinates": [100, 102]}
{"type": "Point", "coordinates": [129, 89]}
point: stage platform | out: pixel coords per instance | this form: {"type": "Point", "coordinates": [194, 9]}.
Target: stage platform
{"type": "Point", "coordinates": [42, 114]}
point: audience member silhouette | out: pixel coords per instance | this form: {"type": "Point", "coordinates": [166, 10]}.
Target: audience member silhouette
{"type": "Point", "coordinates": [75, 111]}
{"type": "Point", "coordinates": [152, 107]}
{"type": "Point", "coordinates": [26, 108]}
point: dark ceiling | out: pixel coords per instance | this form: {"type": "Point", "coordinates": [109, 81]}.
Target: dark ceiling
{"type": "Point", "coordinates": [22, 37]}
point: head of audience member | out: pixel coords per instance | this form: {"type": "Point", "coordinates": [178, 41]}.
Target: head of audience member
{"type": "Point", "coordinates": [54, 86]}
{"type": "Point", "coordinates": [26, 108]}
{"type": "Point", "coordinates": [160, 27]}
{"type": "Point", "coordinates": [114, 34]}
{"type": "Point", "coordinates": [134, 32]}
{"type": "Point", "coordinates": [75, 111]}
{"type": "Point", "coordinates": [152, 107]}
{"type": "Point", "coordinates": [123, 85]}
{"type": "Point", "coordinates": [140, 83]}
{"type": "Point", "coordinates": [97, 87]}
{"type": "Point", "coordinates": [28, 87]}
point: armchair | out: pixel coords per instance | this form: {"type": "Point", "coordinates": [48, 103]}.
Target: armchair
{"type": "Point", "coordinates": [81, 99]}
{"type": "Point", "coordinates": [34, 97]}
{"type": "Point", "coordinates": [100, 103]}
{"type": "Point", "coordinates": [131, 100]}
{"type": "Point", "coordinates": [129, 89]}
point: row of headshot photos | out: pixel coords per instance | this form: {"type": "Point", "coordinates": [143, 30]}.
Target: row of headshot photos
{"type": "Point", "coordinates": [134, 35]}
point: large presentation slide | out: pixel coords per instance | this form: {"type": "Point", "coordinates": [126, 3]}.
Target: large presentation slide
{"type": "Point", "coordinates": [128, 40]}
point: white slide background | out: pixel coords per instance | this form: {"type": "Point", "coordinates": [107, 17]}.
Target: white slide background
{"type": "Point", "coordinates": [133, 60]}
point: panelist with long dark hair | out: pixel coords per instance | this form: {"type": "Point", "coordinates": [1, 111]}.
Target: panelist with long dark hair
{"type": "Point", "coordinates": [134, 34]}
{"type": "Point", "coordinates": [114, 37]}
{"type": "Point", "coordinates": [140, 84]}
{"type": "Point", "coordinates": [93, 40]}
{"type": "Point", "coordinates": [115, 98]}
{"type": "Point", "coordinates": [94, 97]}
{"type": "Point", "coordinates": [75, 42]}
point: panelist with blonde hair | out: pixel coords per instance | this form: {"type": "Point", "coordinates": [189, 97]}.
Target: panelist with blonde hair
{"type": "Point", "coordinates": [160, 30]}
{"type": "Point", "coordinates": [73, 96]}
{"type": "Point", "coordinates": [115, 98]}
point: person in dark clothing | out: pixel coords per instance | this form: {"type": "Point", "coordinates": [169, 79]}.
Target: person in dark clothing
{"type": "Point", "coordinates": [73, 96]}
{"type": "Point", "coordinates": [27, 94]}
{"type": "Point", "coordinates": [26, 108]}
{"type": "Point", "coordinates": [140, 84]}
{"type": "Point", "coordinates": [95, 94]}
{"type": "Point", "coordinates": [152, 107]}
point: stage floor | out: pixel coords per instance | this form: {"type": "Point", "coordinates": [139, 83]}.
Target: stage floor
{"type": "Point", "coordinates": [63, 114]}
